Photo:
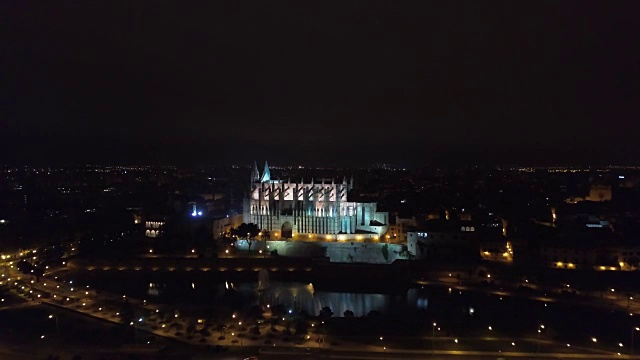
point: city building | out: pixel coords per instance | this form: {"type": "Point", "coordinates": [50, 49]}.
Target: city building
{"type": "Point", "coordinates": [398, 230]}
{"type": "Point", "coordinates": [443, 238]}
{"type": "Point", "coordinates": [154, 226]}
{"type": "Point", "coordinates": [598, 193]}
{"type": "Point", "coordinates": [225, 224]}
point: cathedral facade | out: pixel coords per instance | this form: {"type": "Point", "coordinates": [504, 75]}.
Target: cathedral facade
{"type": "Point", "coordinates": [317, 210]}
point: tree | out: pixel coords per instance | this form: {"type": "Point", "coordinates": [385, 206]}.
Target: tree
{"type": "Point", "coordinates": [301, 327]}
{"type": "Point", "coordinates": [255, 312]}
{"type": "Point", "coordinates": [278, 310]}
{"type": "Point", "coordinates": [246, 231]}
{"type": "Point", "coordinates": [126, 313]}
{"type": "Point", "coordinates": [255, 330]}
{"type": "Point", "coordinates": [274, 321]}
{"type": "Point", "coordinates": [385, 252]}
{"type": "Point", "coordinates": [204, 331]}
{"type": "Point", "coordinates": [220, 328]}
{"type": "Point", "coordinates": [348, 314]}
{"type": "Point", "coordinates": [191, 328]}
{"type": "Point", "coordinates": [374, 314]}
{"type": "Point", "coordinates": [201, 236]}
{"type": "Point", "coordinates": [325, 312]}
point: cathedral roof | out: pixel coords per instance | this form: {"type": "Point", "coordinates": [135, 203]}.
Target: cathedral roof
{"type": "Point", "coordinates": [266, 174]}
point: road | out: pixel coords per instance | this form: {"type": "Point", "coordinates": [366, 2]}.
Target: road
{"type": "Point", "coordinates": [101, 307]}
{"type": "Point", "coordinates": [589, 299]}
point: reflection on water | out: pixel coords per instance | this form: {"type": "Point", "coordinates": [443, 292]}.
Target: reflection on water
{"type": "Point", "coordinates": [156, 289]}
{"type": "Point", "coordinates": [417, 298]}
{"type": "Point", "coordinates": [303, 297]}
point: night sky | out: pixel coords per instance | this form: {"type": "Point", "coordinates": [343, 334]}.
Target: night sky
{"type": "Point", "coordinates": [345, 82]}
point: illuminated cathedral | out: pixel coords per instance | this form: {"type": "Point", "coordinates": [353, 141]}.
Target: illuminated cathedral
{"type": "Point", "coordinates": [315, 210]}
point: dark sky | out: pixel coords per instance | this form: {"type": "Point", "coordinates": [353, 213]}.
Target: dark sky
{"type": "Point", "coordinates": [320, 82]}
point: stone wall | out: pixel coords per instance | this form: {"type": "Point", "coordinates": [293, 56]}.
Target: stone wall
{"type": "Point", "coordinates": [341, 252]}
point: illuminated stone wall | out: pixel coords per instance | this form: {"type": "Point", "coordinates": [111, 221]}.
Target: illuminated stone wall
{"type": "Point", "coordinates": [341, 252]}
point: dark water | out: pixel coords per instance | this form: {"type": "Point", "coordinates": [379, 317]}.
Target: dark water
{"type": "Point", "coordinates": [203, 289]}
{"type": "Point", "coordinates": [458, 313]}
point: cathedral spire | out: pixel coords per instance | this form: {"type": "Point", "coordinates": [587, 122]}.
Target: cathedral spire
{"type": "Point", "coordinates": [255, 174]}
{"type": "Point", "coordinates": [266, 174]}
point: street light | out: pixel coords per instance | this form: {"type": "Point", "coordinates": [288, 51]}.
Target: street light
{"type": "Point", "coordinates": [433, 338]}
{"type": "Point", "coordinates": [538, 342]}
{"type": "Point", "coordinates": [633, 330]}
{"type": "Point", "coordinates": [57, 327]}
